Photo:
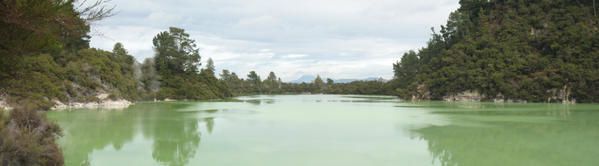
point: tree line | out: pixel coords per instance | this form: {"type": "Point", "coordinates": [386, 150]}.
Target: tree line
{"type": "Point", "coordinates": [175, 73]}
{"type": "Point", "coordinates": [539, 51]}
{"type": "Point", "coordinates": [273, 85]}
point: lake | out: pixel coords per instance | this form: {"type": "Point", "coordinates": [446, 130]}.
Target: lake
{"type": "Point", "coordinates": [331, 130]}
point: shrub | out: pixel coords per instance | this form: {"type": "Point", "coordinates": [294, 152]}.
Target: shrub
{"type": "Point", "coordinates": [28, 138]}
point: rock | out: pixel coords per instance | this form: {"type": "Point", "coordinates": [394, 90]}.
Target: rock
{"type": "Point", "coordinates": [106, 104]}
{"type": "Point", "coordinates": [499, 100]}
{"type": "Point", "coordinates": [115, 104]}
{"type": "Point", "coordinates": [464, 96]}
{"type": "Point", "coordinates": [59, 105]}
{"type": "Point", "coordinates": [102, 96]}
{"type": "Point", "coordinates": [563, 95]}
{"type": "Point", "coordinates": [422, 93]}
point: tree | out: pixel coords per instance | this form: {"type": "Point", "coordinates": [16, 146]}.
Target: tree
{"type": "Point", "coordinates": [271, 84]}
{"type": "Point", "coordinates": [30, 26]}
{"type": "Point", "coordinates": [510, 50]}
{"type": "Point", "coordinates": [176, 53]}
{"type": "Point", "coordinates": [318, 84]}
{"type": "Point", "coordinates": [225, 75]}
{"type": "Point", "coordinates": [405, 74]}
{"type": "Point", "coordinates": [127, 85]}
{"type": "Point", "coordinates": [119, 49]}
{"type": "Point", "coordinates": [210, 65]}
{"type": "Point", "coordinates": [208, 77]}
{"type": "Point", "coordinates": [177, 62]}
{"type": "Point", "coordinates": [210, 69]}
{"type": "Point", "coordinates": [330, 82]}
{"type": "Point", "coordinates": [255, 82]}
{"type": "Point", "coordinates": [36, 38]}
{"type": "Point", "coordinates": [236, 84]}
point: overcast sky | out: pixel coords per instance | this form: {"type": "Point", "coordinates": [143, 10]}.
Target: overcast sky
{"type": "Point", "coordinates": [333, 38]}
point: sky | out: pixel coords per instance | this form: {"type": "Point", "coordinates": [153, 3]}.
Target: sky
{"type": "Point", "coordinates": [332, 38]}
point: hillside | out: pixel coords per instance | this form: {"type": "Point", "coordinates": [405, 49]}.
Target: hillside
{"type": "Point", "coordinates": [540, 51]}
{"type": "Point", "coordinates": [46, 61]}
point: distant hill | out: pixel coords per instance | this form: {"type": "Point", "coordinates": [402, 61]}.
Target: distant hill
{"type": "Point", "coordinates": [310, 78]}
{"type": "Point", "coordinates": [304, 78]}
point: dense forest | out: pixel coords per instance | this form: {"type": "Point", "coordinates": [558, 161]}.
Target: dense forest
{"type": "Point", "coordinates": [539, 50]}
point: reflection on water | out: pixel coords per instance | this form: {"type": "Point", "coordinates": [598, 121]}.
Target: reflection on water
{"type": "Point", "coordinates": [332, 130]}
{"type": "Point", "coordinates": [516, 134]}
{"type": "Point", "coordinates": [257, 100]}
{"type": "Point", "coordinates": [175, 135]}
{"type": "Point", "coordinates": [209, 124]}
{"type": "Point", "coordinates": [88, 133]}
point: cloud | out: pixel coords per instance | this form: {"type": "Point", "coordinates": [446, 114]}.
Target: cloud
{"type": "Point", "coordinates": [333, 38]}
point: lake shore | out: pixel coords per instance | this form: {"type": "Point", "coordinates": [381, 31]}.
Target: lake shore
{"type": "Point", "coordinates": [107, 104]}
{"type": "Point", "coordinates": [104, 102]}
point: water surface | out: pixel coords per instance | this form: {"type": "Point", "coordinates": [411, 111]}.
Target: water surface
{"type": "Point", "coordinates": [331, 130]}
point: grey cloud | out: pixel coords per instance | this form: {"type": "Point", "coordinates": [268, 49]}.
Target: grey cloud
{"type": "Point", "coordinates": [360, 38]}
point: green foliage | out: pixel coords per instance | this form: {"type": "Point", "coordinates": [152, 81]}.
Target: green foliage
{"type": "Point", "coordinates": [45, 56]}
{"type": "Point", "coordinates": [233, 83]}
{"type": "Point", "coordinates": [533, 50]}
{"type": "Point", "coordinates": [210, 66]}
{"type": "Point", "coordinates": [30, 27]}
{"type": "Point", "coordinates": [272, 84]}
{"type": "Point", "coordinates": [318, 84]}
{"type": "Point", "coordinates": [254, 82]}
{"type": "Point", "coordinates": [375, 87]}
{"type": "Point", "coordinates": [92, 71]}
{"type": "Point", "coordinates": [39, 81]}
{"type": "Point", "coordinates": [33, 33]}
{"type": "Point", "coordinates": [176, 53]}
{"type": "Point", "coordinates": [177, 63]}
{"type": "Point", "coordinates": [330, 82]}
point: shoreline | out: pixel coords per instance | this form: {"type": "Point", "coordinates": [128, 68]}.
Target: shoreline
{"type": "Point", "coordinates": [105, 104]}
{"type": "Point", "coordinates": [120, 104]}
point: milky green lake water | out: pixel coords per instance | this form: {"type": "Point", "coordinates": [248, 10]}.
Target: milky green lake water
{"type": "Point", "coordinates": [331, 130]}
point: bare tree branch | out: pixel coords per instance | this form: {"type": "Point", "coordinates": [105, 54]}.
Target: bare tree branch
{"type": "Point", "coordinates": [95, 11]}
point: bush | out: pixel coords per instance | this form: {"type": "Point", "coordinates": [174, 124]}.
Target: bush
{"type": "Point", "coordinates": [28, 138]}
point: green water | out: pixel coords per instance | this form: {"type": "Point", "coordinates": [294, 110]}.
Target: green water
{"type": "Point", "coordinates": [331, 130]}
